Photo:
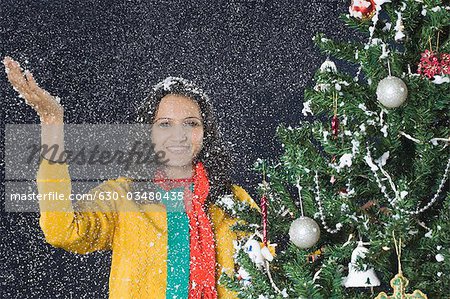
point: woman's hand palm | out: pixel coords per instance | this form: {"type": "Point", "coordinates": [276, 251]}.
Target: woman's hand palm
{"type": "Point", "coordinates": [47, 106]}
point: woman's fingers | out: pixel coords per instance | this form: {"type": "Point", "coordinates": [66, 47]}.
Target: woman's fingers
{"type": "Point", "coordinates": [25, 84]}
{"type": "Point", "coordinates": [15, 76]}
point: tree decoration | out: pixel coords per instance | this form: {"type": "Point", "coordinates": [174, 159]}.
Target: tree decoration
{"type": "Point", "coordinates": [429, 64]}
{"type": "Point", "coordinates": [392, 201]}
{"type": "Point", "coordinates": [392, 91]}
{"type": "Point", "coordinates": [253, 250]}
{"type": "Point", "coordinates": [445, 63]}
{"type": "Point", "coordinates": [258, 252]}
{"type": "Point", "coordinates": [338, 226]}
{"type": "Point", "coordinates": [335, 119]}
{"type": "Point", "coordinates": [399, 282]}
{"type": "Point", "coordinates": [362, 9]}
{"type": "Point", "coordinates": [304, 232]}
{"type": "Point", "coordinates": [267, 250]}
{"type": "Point", "coordinates": [264, 216]}
{"type": "Point", "coordinates": [357, 278]}
{"type": "Point", "coordinates": [261, 253]}
{"type": "Point", "coordinates": [434, 63]}
{"type": "Point", "coordinates": [328, 66]}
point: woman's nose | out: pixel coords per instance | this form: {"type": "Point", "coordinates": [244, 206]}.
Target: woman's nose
{"type": "Point", "coordinates": [179, 132]}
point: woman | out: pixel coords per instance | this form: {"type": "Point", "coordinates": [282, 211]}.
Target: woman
{"type": "Point", "coordinates": [159, 250]}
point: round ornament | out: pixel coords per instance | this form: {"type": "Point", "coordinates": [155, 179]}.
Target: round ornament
{"type": "Point", "coordinates": [304, 232]}
{"type": "Point", "coordinates": [392, 92]}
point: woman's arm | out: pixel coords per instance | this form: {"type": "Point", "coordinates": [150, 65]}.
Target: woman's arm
{"type": "Point", "coordinates": [80, 232]}
{"type": "Point", "coordinates": [83, 231]}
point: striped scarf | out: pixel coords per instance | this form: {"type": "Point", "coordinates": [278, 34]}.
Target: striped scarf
{"type": "Point", "coordinates": [202, 282]}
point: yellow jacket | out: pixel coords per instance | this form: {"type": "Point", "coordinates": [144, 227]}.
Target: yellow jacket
{"type": "Point", "coordinates": [137, 238]}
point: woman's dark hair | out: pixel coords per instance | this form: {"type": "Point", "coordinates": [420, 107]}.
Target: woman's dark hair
{"type": "Point", "coordinates": [214, 154]}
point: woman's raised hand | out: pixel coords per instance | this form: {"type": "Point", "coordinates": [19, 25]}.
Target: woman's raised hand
{"type": "Point", "coordinates": [47, 106]}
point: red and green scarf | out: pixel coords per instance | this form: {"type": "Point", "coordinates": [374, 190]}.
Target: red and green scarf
{"type": "Point", "coordinates": [202, 282]}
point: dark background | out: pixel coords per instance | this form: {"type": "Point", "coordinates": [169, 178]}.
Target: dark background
{"type": "Point", "coordinates": [253, 58]}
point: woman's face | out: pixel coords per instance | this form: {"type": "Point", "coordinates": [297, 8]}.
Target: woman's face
{"type": "Point", "coordinates": [178, 130]}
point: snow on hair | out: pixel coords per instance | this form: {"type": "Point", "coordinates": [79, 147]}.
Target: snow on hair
{"type": "Point", "coordinates": [175, 85]}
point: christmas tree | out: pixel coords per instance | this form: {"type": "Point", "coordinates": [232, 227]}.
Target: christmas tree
{"type": "Point", "coordinates": [361, 191]}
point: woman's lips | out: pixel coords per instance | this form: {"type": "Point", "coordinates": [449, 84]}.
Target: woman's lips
{"type": "Point", "coordinates": [178, 149]}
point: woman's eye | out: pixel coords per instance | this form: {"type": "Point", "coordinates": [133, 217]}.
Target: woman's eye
{"type": "Point", "coordinates": [193, 123]}
{"type": "Point", "coordinates": [165, 124]}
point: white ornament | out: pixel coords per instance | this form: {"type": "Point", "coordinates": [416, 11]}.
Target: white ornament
{"type": "Point", "coordinates": [356, 278]}
{"type": "Point", "coordinates": [257, 254]}
{"type": "Point", "coordinates": [392, 92]}
{"type": "Point", "coordinates": [328, 66]}
{"type": "Point", "coordinates": [265, 252]}
{"type": "Point", "coordinates": [304, 232]}
{"type": "Point", "coordinates": [253, 250]}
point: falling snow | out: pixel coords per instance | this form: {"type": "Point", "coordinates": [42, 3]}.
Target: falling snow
{"type": "Point", "coordinates": [100, 60]}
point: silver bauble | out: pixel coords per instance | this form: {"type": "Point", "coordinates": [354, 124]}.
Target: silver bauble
{"type": "Point", "coordinates": [304, 232]}
{"type": "Point", "coordinates": [392, 92]}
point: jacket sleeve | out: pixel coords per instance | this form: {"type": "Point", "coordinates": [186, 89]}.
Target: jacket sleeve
{"type": "Point", "coordinates": [225, 238]}
{"type": "Point", "coordinates": [82, 232]}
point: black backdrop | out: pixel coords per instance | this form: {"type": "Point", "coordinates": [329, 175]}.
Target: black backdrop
{"type": "Point", "coordinates": [253, 57]}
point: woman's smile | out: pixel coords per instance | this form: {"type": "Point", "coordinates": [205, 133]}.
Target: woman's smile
{"type": "Point", "coordinates": [179, 149]}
